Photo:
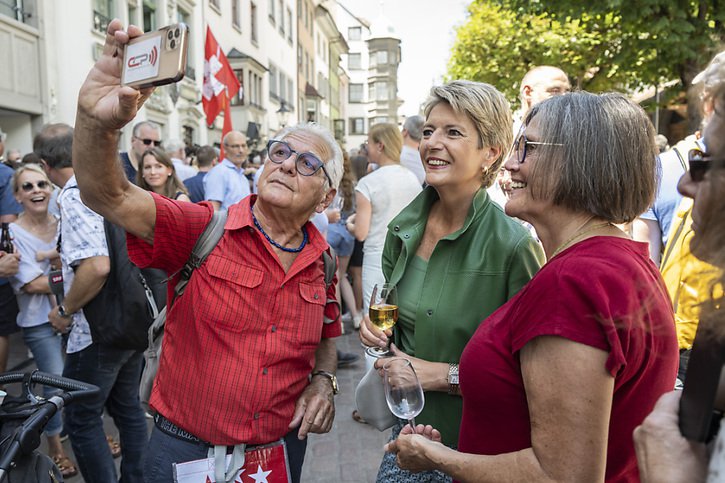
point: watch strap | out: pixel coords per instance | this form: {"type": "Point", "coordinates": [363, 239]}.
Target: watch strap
{"type": "Point", "coordinates": [330, 376]}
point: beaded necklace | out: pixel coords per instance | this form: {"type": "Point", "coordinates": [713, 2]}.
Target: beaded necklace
{"type": "Point", "coordinates": [274, 243]}
{"type": "Point", "coordinates": [579, 234]}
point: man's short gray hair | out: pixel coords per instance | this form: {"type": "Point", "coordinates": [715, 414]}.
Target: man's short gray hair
{"type": "Point", "coordinates": [137, 127]}
{"type": "Point", "coordinates": [173, 145]}
{"type": "Point", "coordinates": [414, 126]}
{"type": "Point", "coordinates": [333, 165]}
{"type": "Point", "coordinates": [604, 162]}
{"type": "Point", "coordinates": [488, 110]}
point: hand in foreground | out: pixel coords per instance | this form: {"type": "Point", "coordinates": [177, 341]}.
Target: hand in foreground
{"type": "Point", "coordinates": [60, 324]}
{"type": "Point", "coordinates": [414, 451]}
{"type": "Point", "coordinates": [371, 336]}
{"type": "Point", "coordinates": [431, 375]}
{"type": "Point", "coordinates": [9, 263]}
{"type": "Point", "coordinates": [315, 409]}
{"type": "Point", "coordinates": [102, 99]}
{"type": "Point", "coordinates": [663, 454]}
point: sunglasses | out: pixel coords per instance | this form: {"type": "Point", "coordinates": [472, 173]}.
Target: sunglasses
{"type": "Point", "coordinates": [149, 142]}
{"type": "Point", "coordinates": [28, 186]}
{"type": "Point", "coordinates": [698, 164]}
{"type": "Point", "coordinates": [306, 164]}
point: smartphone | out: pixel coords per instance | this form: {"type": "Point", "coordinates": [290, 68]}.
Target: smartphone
{"type": "Point", "coordinates": [156, 58]}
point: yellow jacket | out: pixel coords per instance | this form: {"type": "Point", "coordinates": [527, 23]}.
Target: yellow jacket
{"type": "Point", "coordinates": [689, 280]}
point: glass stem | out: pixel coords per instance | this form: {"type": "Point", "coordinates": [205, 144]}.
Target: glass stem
{"type": "Point", "coordinates": [411, 421]}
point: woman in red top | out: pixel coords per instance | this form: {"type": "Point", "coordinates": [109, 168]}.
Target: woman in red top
{"type": "Point", "coordinates": [555, 381]}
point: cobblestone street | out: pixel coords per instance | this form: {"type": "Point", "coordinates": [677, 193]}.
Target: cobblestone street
{"type": "Point", "coordinates": [351, 452]}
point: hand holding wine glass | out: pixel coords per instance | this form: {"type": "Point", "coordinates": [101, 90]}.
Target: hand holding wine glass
{"type": "Point", "coordinates": [403, 391]}
{"type": "Point", "coordinates": [383, 312]}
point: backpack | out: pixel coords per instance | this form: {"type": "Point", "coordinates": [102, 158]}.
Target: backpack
{"type": "Point", "coordinates": [202, 248]}
{"type": "Point", "coordinates": [122, 312]}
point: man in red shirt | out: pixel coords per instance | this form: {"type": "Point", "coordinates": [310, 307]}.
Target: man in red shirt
{"type": "Point", "coordinates": [247, 358]}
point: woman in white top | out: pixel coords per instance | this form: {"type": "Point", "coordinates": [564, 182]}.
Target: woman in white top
{"type": "Point", "coordinates": [35, 234]}
{"type": "Point", "coordinates": [380, 196]}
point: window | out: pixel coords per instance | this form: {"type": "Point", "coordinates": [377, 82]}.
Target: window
{"type": "Point", "coordinates": [188, 135]}
{"type": "Point", "coordinates": [272, 81]}
{"type": "Point", "coordinates": [214, 3]}
{"type": "Point", "coordinates": [236, 20]}
{"type": "Point", "coordinates": [185, 17]}
{"type": "Point", "coordinates": [103, 12]}
{"type": "Point", "coordinates": [357, 125]}
{"type": "Point", "coordinates": [291, 91]}
{"type": "Point", "coordinates": [356, 92]}
{"type": "Point", "coordinates": [272, 16]}
{"type": "Point", "coordinates": [289, 25]}
{"type": "Point", "coordinates": [149, 15]}
{"type": "Point", "coordinates": [354, 61]}
{"type": "Point", "coordinates": [238, 100]}
{"type": "Point", "coordinates": [307, 67]}
{"type": "Point", "coordinates": [371, 91]}
{"type": "Point", "coordinates": [381, 91]}
{"type": "Point", "coordinates": [339, 128]}
{"type": "Point", "coordinates": [282, 86]}
{"type": "Point", "coordinates": [311, 110]}
{"type": "Point", "coordinates": [280, 11]}
{"type": "Point", "coordinates": [373, 61]}
{"type": "Point", "coordinates": [299, 9]}
{"type": "Point", "coordinates": [253, 21]}
{"type": "Point", "coordinates": [354, 33]}
{"type": "Point", "coordinates": [382, 56]}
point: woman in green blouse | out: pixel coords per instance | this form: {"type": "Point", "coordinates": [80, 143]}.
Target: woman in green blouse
{"type": "Point", "coordinates": [452, 252]}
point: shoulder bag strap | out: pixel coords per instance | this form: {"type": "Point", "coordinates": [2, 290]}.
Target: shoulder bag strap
{"type": "Point", "coordinates": [203, 247]}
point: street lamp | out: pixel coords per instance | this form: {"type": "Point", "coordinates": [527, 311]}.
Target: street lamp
{"type": "Point", "coordinates": [283, 114]}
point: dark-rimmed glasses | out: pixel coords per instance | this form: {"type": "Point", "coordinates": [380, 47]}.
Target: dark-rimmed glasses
{"type": "Point", "coordinates": [28, 186]}
{"type": "Point", "coordinates": [522, 146]}
{"type": "Point", "coordinates": [307, 164]}
{"type": "Point", "coordinates": [149, 142]}
{"type": "Point", "coordinates": [698, 164]}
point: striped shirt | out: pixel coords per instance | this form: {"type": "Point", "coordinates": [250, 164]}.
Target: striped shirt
{"type": "Point", "coordinates": [241, 341]}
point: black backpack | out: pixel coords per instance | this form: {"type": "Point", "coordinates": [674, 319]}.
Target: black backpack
{"type": "Point", "coordinates": [122, 312]}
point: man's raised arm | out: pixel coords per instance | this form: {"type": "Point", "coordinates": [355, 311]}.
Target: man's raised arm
{"type": "Point", "coordinates": [104, 107]}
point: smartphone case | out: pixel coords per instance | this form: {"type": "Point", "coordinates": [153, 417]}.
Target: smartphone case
{"type": "Point", "coordinates": [156, 58]}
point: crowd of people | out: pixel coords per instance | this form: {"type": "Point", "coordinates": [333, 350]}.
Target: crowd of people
{"type": "Point", "coordinates": [541, 330]}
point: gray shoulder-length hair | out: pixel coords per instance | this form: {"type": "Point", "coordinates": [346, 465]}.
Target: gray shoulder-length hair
{"type": "Point", "coordinates": [333, 165]}
{"type": "Point", "coordinates": [488, 110]}
{"type": "Point", "coordinates": [607, 164]}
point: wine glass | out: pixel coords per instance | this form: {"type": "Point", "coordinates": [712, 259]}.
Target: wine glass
{"type": "Point", "coordinates": [383, 312]}
{"type": "Point", "coordinates": [403, 392]}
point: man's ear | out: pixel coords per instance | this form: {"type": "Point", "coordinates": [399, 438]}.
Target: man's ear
{"type": "Point", "coordinates": [326, 200]}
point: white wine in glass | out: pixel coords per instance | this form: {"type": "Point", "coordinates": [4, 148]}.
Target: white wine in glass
{"type": "Point", "coordinates": [383, 312]}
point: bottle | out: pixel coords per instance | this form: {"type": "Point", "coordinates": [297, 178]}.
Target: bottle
{"type": "Point", "coordinates": [6, 243]}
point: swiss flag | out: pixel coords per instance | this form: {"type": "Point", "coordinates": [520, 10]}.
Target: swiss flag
{"type": "Point", "coordinates": [220, 84]}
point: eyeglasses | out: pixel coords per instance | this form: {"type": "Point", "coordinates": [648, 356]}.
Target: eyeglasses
{"type": "Point", "coordinates": [149, 142]}
{"type": "Point", "coordinates": [307, 164]}
{"type": "Point", "coordinates": [28, 186]}
{"type": "Point", "coordinates": [698, 164]}
{"type": "Point", "coordinates": [522, 146]}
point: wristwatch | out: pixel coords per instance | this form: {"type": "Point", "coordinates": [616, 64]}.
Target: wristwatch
{"type": "Point", "coordinates": [62, 312]}
{"type": "Point", "coordinates": [330, 376]}
{"type": "Point", "coordinates": [453, 387]}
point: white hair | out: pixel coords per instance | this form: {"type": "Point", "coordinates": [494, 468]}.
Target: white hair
{"type": "Point", "coordinates": [333, 165]}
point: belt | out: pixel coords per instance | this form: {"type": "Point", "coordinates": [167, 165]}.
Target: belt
{"type": "Point", "coordinates": [171, 429]}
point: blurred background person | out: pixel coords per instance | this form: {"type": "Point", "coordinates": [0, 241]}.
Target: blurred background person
{"type": "Point", "coordinates": [409, 156]}
{"type": "Point", "coordinates": [157, 173]}
{"type": "Point", "coordinates": [206, 159]}
{"type": "Point", "coordinates": [176, 149]}
{"type": "Point", "coordinates": [35, 235]}
{"type": "Point", "coordinates": [453, 254]}
{"type": "Point", "coordinates": [556, 380]}
{"type": "Point", "coordinates": [380, 196]}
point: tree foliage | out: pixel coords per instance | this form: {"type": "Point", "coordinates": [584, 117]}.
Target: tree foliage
{"type": "Point", "coordinates": [602, 45]}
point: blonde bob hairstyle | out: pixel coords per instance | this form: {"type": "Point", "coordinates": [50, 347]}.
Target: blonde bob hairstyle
{"type": "Point", "coordinates": [488, 110]}
{"type": "Point", "coordinates": [390, 136]}
{"type": "Point", "coordinates": [605, 164]}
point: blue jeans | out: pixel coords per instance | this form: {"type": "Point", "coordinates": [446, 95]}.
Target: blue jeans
{"type": "Point", "coordinates": [45, 344]}
{"type": "Point", "coordinates": [117, 372]}
{"type": "Point", "coordinates": [164, 450]}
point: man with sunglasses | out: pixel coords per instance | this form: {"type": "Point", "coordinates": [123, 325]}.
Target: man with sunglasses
{"type": "Point", "coordinates": [145, 135]}
{"type": "Point", "coordinates": [227, 183]}
{"type": "Point", "coordinates": [249, 351]}
{"type": "Point", "coordinates": [668, 224]}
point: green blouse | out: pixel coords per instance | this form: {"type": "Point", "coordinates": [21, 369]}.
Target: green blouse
{"type": "Point", "coordinates": [470, 273]}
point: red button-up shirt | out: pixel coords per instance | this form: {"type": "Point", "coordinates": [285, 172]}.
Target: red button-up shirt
{"type": "Point", "coordinates": [241, 341]}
